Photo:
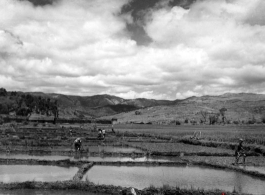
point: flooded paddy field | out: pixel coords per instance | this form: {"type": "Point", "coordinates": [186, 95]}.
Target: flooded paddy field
{"type": "Point", "coordinates": [78, 157]}
{"type": "Point", "coordinates": [28, 156]}
{"type": "Point", "coordinates": [115, 149]}
{"type": "Point", "coordinates": [184, 177]}
{"type": "Point", "coordinates": [137, 156]}
{"type": "Point", "coordinates": [22, 173]}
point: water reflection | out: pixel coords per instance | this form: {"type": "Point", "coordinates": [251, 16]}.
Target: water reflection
{"type": "Point", "coordinates": [21, 173]}
{"type": "Point", "coordinates": [196, 177]}
{"type": "Point", "coordinates": [87, 157]}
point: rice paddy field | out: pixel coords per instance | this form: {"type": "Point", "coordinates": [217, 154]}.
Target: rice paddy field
{"type": "Point", "coordinates": [141, 147]}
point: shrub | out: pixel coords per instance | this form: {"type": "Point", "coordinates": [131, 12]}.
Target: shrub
{"type": "Point", "coordinates": [263, 119]}
{"type": "Point", "coordinates": [178, 123]}
{"type": "Point", "coordinates": [236, 122]}
{"type": "Point", "coordinates": [252, 120]}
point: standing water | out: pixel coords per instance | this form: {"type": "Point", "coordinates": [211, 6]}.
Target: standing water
{"type": "Point", "coordinates": [79, 157]}
{"type": "Point", "coordinates": [21, 173]}
{"type": "Point", "coordinates": [37, 157]}
{"type": "Point", "coordinates": [184, 177]}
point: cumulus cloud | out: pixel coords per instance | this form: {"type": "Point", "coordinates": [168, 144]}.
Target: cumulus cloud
{"type": "Point", "coordinates": [226, 38]}
{"type": "Point", "coordinates": [84, 47]}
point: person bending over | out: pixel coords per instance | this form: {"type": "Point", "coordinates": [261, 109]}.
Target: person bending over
{"type": "Point", "coordinates": [240, 152]}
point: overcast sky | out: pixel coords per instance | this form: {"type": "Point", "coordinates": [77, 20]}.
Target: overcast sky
{"type": "Point", "coordinates": [159, 49]}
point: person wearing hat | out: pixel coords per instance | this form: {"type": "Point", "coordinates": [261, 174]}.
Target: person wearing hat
{"type": "Point", "coordinates": [240, 152]}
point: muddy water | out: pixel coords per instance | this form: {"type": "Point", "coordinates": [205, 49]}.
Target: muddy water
{"type": "Point", "coordinates": [123, 159]}
{"type": "Point", "coordinates": [45, 192]}
{"type": "Point", "coordinates": [86, 158]}
{"type": "Point", "coordinates": [185, 177]}
{"type": "Point", "coordinates": [113, 149]}
{"type": "Point", "coordinates": [21, 173]}
{"type": "Point", "coordinates": [38, 157]}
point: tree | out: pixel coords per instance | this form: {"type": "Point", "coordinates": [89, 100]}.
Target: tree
{"type": "Point", "coordinates": [3, 109]}
{"type": "Point", "coordinates": [13, 93]}
{"type": "Point", "coordinates": [1, 120]}
{"type": "Point", "coordinates": [204, 116]}
{"type": "Point", "coordinates": [3, 92]}
{"type": "Point", "coordinates": [222, 113]}
{"type": "Point", "coordinates": [213, 118]}
{"type": "Point", "coordinates": [263, 119]}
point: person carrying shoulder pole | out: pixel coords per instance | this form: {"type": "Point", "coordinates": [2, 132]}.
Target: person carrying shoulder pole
{"type": "Point", "coordinates": [240, 152]}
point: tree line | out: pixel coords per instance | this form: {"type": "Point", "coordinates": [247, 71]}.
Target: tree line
{"type": "Point", "coordinates": [25, 104]}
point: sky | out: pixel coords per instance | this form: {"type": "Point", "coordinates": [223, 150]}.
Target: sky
{"type": "Point", "coordinates": [158, 49]}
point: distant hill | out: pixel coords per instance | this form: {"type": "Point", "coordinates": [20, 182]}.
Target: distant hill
{"type": "Point", "coordinates": [70, 106]}
{"type": "Point", "coordinates": [240, 106]}
{"type": "Point", "coordinates": [101, 105]}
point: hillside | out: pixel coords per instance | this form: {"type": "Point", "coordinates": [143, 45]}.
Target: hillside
{"type": "Point", "coordinates": [70, 106]}
{"type": "Point", "coordinates": [240, 106]}
{"type": "Point", "coordinates": [100, 105]}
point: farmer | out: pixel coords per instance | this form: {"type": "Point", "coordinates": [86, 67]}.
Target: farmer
{"type": "Point", "coordinates": [77, 144]}
{"type": "Point", "coordinates": [103, 133]}
{"type": "Point", "coordinates": [112, 129]}
{"type": "Point", "coordinates": [99, 133]}
{"type": "Point", "coordinates": [240, 152]}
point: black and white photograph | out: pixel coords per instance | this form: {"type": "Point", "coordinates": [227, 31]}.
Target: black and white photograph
{"type": "Point", "coordinates": [132, 97]}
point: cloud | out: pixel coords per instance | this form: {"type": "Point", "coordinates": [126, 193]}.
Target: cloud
{"type": "Point", "coordinates": [84, 47]}
{"type": "Point", "coordinates": [226, 38]}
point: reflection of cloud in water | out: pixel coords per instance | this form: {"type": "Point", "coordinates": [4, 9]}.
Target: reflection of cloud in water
{"type": "Point", "coordinates": [21, 173]}
{"type": "Point", "coordinates": [197, 177]}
